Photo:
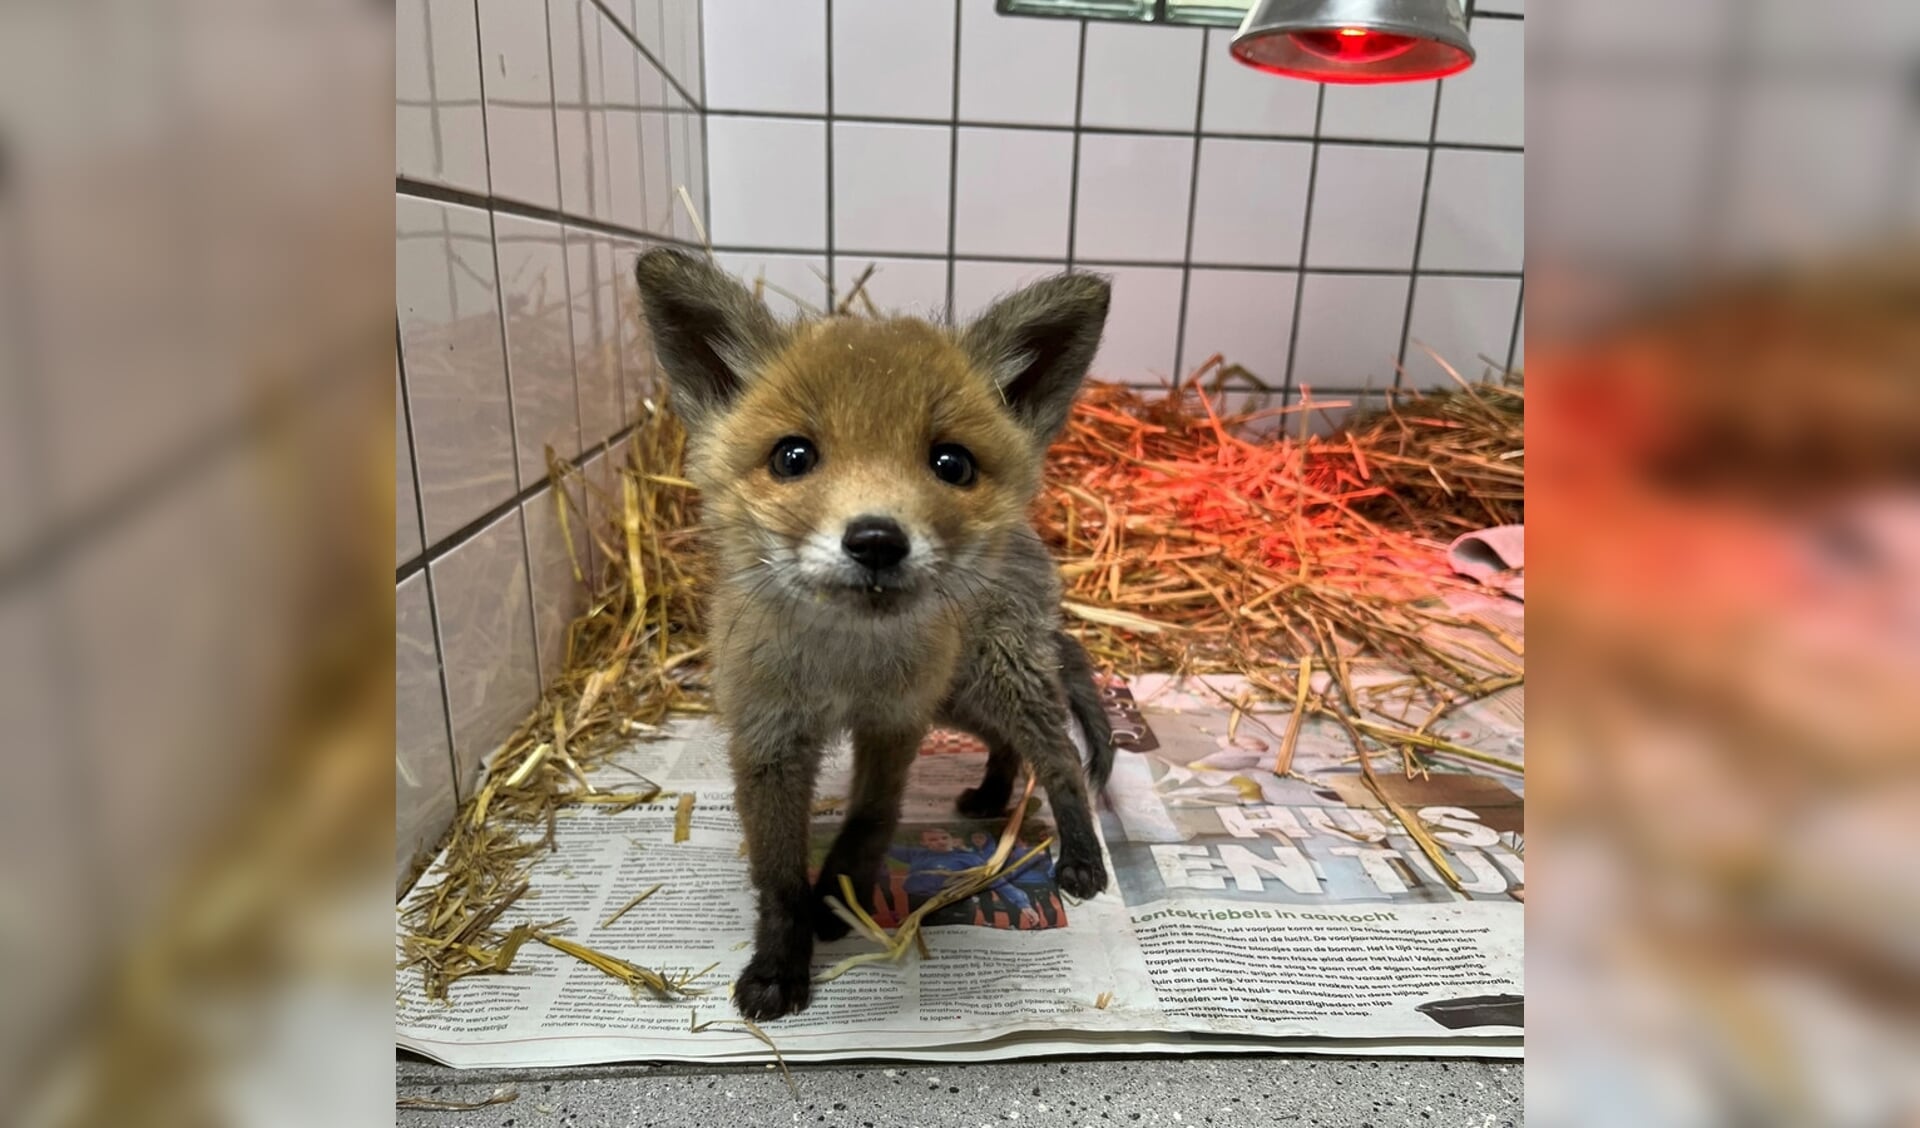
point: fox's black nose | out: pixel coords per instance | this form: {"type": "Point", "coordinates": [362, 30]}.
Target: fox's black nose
{"type": "Point", "coordinates": [876, 542]}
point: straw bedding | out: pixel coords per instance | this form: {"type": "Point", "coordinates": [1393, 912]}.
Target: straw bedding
{"type": "Point", "coordinates": [1189, 540]}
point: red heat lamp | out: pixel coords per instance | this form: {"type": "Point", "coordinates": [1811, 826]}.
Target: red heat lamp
{"type": "Point", "coordinates": [1355, 41]}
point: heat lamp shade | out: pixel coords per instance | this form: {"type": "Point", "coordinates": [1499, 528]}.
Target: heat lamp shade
{"type": "Point", "coordinates": [1355, 41]}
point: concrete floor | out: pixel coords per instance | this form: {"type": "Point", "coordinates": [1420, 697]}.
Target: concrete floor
{"type": "Point", "coordinates": [1226, 1092]}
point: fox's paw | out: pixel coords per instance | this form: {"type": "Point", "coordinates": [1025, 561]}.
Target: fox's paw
{"type": "Point", "coordinates": [1081, 877]}
{"type": "Point", "coordinates": [768, 989]}
{"type": "Point", "coordinates": [827, 924]}
{"type": "Point", "coordinates": [827, 927]}
{"type": "Point", "coordinates": [983, 802]}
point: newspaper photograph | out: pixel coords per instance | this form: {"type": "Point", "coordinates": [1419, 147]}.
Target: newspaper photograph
{"type": "Point", "coordinates": [1248, 910]}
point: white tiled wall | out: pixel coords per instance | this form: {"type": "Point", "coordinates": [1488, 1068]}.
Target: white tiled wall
{"type": "Point", "coordinates": [440, 131]}
{"type": "Point", "coordinates": [963, 151]}
{"type": "Point", "coordinates": [890, 185]}
{"type": "Point", "coordinates": [1013, 191]}
{"type": "Point", "coordinates": [768, 181]}
{"type": "Point", "coordinates": [893, 59]}
{"type": "Point", "coordinates": [1131, 195]}
{"type": "Point", "coordinates": [1135, 76]}
{"type": "Point", "coordinates": [540, 145]}
{"type": "Point", "coordinates": [521, 158]}
{"type": "Point", "coordinates": [1250, 200]}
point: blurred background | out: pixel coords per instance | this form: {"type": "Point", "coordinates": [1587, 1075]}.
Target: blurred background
{"type": "Point", "coordinates": [1722, 202]}
{"type": "Point", "coordinates": [195, 488]}
{"type": "Point", "coordinates": [1724, 302]}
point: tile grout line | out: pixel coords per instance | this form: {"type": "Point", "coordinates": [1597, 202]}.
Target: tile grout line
{"type": "Point", "coordinates": [513, 429]}
{"type": "Point", "coordinates": [1073, 176]}
{"type": "Point", "coordinates": [1193, 209]}
{"type": "Point", "coordinates": [1420, 233]}
{"type": "Point", "coordinates": [506, 361]}
{"type": "Point", "coordinates": [413, 449]}
{"type": "Point", "coordinates": [706, 179]}
{"type": "Point", "coordinates": [440, 675]}
{"type": "Point", "coordinates": [668, 113]}
{"type": "Point", "coordinates": [832, 266]}
{"type": "Point", "coordinates": [1519, 311]}
{"type": "Point", "coordinates": [1306, 241]}
{"type": "Point", "coordinates": [1159, 18]}
{"type": "Point", "coordinates": [573, 347]}
{"type": "Point", "coordinates": [513, 412]}
{"type": "Point", "coordinates": [439, 549]}
{"type": "Point", "coordinates": [592, 187]}
{"type": "Point", "coordinates": [660, 26]}
{"type": "Point", "coordinates": [500, 308]}
{"type": "Point", "coordinates": [432, 599]}
{"type": "Point", "coordinates": [627, 34]}
{"type": "Point", "coordinates": [566, 274]}
{"type": "Point", "coordinates": [1161, 264]}
{"type": "Point", "coordinates": [533, 603]}
{"type": "Point", "coordinates": [433, 89]}
{"type": "Point", "coordinates": [506, 369]}
{"type": "Point", "coordinates": [441, 193]}
{"type": "Point", "coordinates": [1139, 130]}
{"type": "Point", "coordinates": [953, 169]}
{"type": "Point", "coordinates": [706, 158]}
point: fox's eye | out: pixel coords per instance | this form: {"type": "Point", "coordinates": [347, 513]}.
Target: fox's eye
{"type": "Point", "coordinates": [793, 456]}
{"type": "Point", "coordinates": [953, 464]}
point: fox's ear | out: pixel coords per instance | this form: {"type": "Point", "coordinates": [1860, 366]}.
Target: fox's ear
{"type": "Point", "coordinates": [708, 330]}
{"type": "Point", "coordinates": [1037, 343]}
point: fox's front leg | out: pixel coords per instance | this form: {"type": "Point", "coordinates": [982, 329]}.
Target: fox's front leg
{"type": "Point", "coordinates": [1039, 729]}
{"type": "Point", "coordinates": [882, 756]}
{"type": "Point", "coordinates": [773, 775]}
{"type": "Point", "coordinates": [1011, 704]}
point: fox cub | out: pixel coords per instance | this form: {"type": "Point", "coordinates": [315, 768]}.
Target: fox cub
{"type": "Point", "coordinates": [865, 489]}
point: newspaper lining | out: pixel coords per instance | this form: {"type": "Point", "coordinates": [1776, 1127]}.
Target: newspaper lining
{"type": "Point", "coordinates": [1248, 911]}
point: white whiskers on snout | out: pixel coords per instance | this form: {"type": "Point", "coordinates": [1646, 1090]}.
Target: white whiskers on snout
{"type": "Point", "coordinates": [822, 560]}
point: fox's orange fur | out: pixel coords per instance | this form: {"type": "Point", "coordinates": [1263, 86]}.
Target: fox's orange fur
{"type": "Point", "coordinates": [874, 395]}
{"type": "Point", "coordinates": [865, 484]}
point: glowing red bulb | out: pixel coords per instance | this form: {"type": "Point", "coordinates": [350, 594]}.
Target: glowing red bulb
{"type": "Point", "coordinates": [1354, 45]}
